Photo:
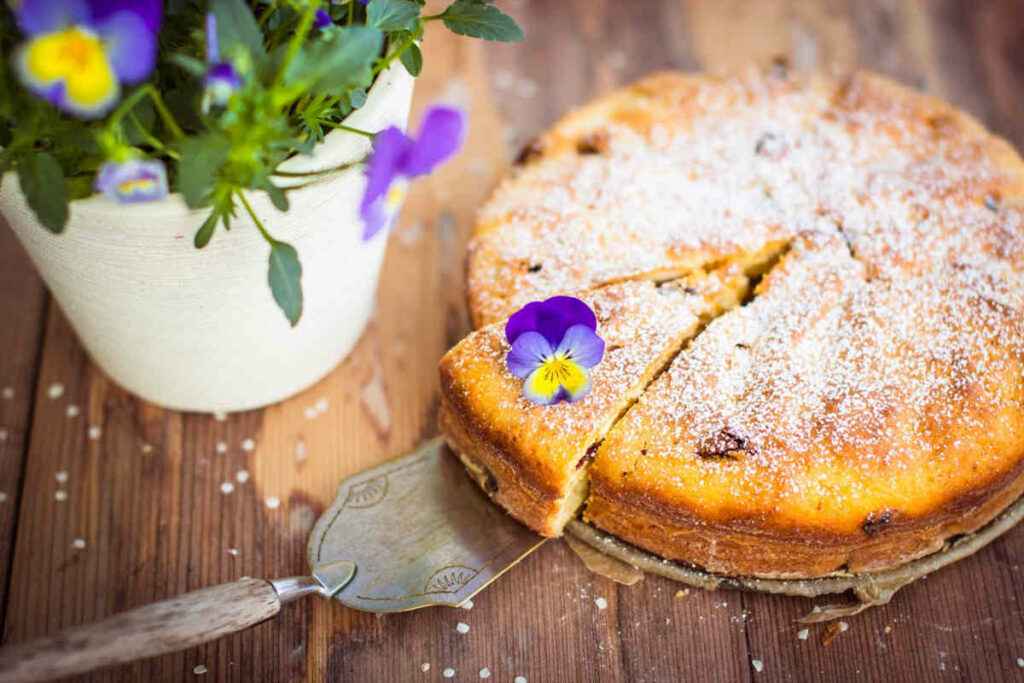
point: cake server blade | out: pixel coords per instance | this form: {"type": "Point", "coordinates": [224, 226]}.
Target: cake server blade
{"type": "Point", "coordinates": [414, 532]}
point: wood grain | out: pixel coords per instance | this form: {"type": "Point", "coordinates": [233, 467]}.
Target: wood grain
{"type": "Point", "coordinates": [145, 497]}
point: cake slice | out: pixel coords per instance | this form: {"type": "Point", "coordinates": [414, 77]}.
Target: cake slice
{"type": "Point", "coordinates": [532, 459]}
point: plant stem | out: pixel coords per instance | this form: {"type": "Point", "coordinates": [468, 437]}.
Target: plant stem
{"type": "Point", "coordinates": [351, 12]}
{"type": "Point", "coordinates": [150, 138]}
{"type": "Point", "coordinates": [313, 174]}
{"type": "Point", "coordinates": [295, 44]}
{"type": "Point", "coordinates": [129, 103]}
{"type": "Point", "coordinates": [386, 62]}
{"type": "Point", "coordinates": [350, 129]}
{"type": "Point", "coordinates": [255, 219]}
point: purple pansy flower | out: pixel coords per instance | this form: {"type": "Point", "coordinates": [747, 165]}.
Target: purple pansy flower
{"type": "Point", "coordinates": [554, 346]}
{"type": "Point", "coordinates": [80, 52]}
{"type": "Point", "coordinates": [221, 78]}
{"type": "Point", "coordinates": [132, 181]}
{"type": "Point", "coordinates": [322, 19]}
{"type": "Point", "coordinates": [397, 157]}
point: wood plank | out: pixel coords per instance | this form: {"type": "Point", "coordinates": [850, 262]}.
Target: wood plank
{"type": "Point", "coordinates": [146, 495]}
{"type": "Point", "coordinates": [22, 308]}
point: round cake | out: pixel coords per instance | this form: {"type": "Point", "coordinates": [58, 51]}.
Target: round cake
{"type": "Point", "coordinates": [811, 292]}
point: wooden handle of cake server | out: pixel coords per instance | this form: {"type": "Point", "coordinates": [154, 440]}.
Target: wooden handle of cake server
{"type": "Point", "coordinates": [156, 629]}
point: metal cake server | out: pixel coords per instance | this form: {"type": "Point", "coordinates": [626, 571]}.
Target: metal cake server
{"type": "Point", "coordinates": [414, 532]}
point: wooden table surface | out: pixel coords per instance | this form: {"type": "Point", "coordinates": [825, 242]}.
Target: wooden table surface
{"type": "Point", "coordinates": [122, 503]}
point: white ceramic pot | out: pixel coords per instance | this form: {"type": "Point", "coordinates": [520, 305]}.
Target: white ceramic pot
{"type": "Point", "coordinates": [198, 329]}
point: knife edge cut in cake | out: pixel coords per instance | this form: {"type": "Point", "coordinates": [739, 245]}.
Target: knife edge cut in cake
{"type": "Point", "coordinates": [863, 405]}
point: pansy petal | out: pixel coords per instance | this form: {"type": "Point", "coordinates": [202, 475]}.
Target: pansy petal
{"type": "Point", "coordinates": [540, 388]}
{"type": "Point", "coordinates": [149, 11]}
{"type": "Point", "coordinates": [559, 313]}
{"type": "Point", "coordinates": [389, 146]}
{"type": "Point", "coordinates": [528, 353]}
{"type": "Point", "coordinates": [212, 42]}
{"type": "Point", "coordinates": [439, 137]}
{"type": "Point", "coordinates": [133, 181]}
{"type": "Point", "coordinates": [45, 16]}
{"type": "Point", "coordinates": [69, 69]}
{"type": "Point", "coordinates": [582, 345]}
{"type": "Point", "coordinates": [322, 19]}
{"type": "Point", "coordinates": [130, 46]}
{"type": "Point", "coordinates": [575, 382]}
{"type": "Point", "coordinates": [523, 320]}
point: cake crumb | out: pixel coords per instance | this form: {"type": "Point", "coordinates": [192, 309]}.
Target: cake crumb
{"type": "Point", "coordinates": [8, 393]}
{"type": "Point", "coordinates": [887, 629]}
{"type": "Point", "coordinates": [682, 594]}
{"type": "Point", "coordinates": [833, 630]}
{"type": "Point", "coordinates": [485, 672]}
{"type": "Point", "coordinates": [3, 435]}
{"type": "Point", "coordinates": [462, 627]}
{"type": "Point", "coordinates": [448, 673]}
{"type": "Point", "coordinates": [757, 664]}
{"type": "Point", "coordinates": [425, 667]}
{"type": "Point", "coordinates": [248, 445]}
{"type": "Point", "coordinates": [1020, 662]}
{"type": "Point", "coordinates": [78, 543]}
{"type": "Point", "coordinates": [272, 502]}
{"type": "Point", "coordinates": [242, 476]}
{"type": "Point", "coordinates": [61, 476]}
{"type": "Point", "coordinates": [199, 669]}
{"type": "Point", "coordinates": [519, 679]}
{"type": "Point", "coordinates": [601, 603]}
{"type": "Point", "coordinates": [468, 604]}
{"type": "Point", "coordinates": [3, 497]}
{"type": "Point", "coordinates": [301, 452]}
{"type": "Point", "coordinates": [55, 391]}
{"type": "Point", "coordinates": [95, 432]}
{"type": "Point", "coordinates": [222, 447]}
{"type": "Point", "coordinates": [227, 487]}
{"type": "Point", "coordinates": [220, 416]}
{"type": "Point", "coordinates": [803, 633]}
{"type": "Point", "coordinates": [72, 411]}
{"type": "Point", "coordinates": [60, 496]}
{"type": "Point", "coordinates": [234, 552]}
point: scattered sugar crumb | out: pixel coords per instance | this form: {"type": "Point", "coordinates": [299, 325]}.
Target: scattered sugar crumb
{"type": "Point", "coordinates": [321, 405]}
{"type": "Point", "coordinates": [3, 435]}
{"type": "Point", "coordinates": [462, 627]}
{"type": "Point", "coordinates": [227, 487]}
{"type": "Point", "coordinates": [1020, 662]}
{"type": "Point", "coordinates": [248, 445]}
{"type": "Point", "coordinates": [55, 391]}
{"type": "Point", "coordinates": [519, 679]}
{"type": "Point", "coordinates": [468, 604]}
{"type": "Point", "coordinates": [3, 497]}
{"type": "Point", "coordinates": [887, 629]}
{"type": "Point", "coordinates": [234, 552]}
{"type": "Point", "coordinates": [199, 669]}
{"type": "Point", "coordinates": [147, 448]}
{"type": "Point", "coordinates": [448, 673]}
{"type": "Point", "coordinates": [601, 603]}
{"type": "Point", "coordinates": [273, 502]}
{"type": "Point", "coordinates": [222, 447]}
{"type": "Point", "coordinates": [220, 416]}
{"type": "Point", "coordinates": [61, 476]}
{"type": "Point", "coordinates": [8, 393]}
{"type": "Point", "coordinates": [425, 667]}
{"type": "Point", "coordinates": [78, 543]}
{"type": "Point", "coordinates": [95, 432]}
{"type": "Point", "coordinates": [60, 495]}
{"type": "Point", "coordinates": [310, 413]}
{"type": "Point", "coordinates": [485, 672]}
{"type": "Point", "coordinates": [803, 633]}
{"type": "Point", "coordinates": [72, 410]}
{"type": "Point", "coordinates": [300, 451]}
{"type": "Point", "coordinates": [757, 664]}
{"type": "Point", "coordinates": [682, 594]}
{"type": "Point", "coordinates": [242, 476]}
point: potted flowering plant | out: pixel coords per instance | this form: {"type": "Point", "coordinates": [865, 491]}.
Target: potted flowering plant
{"type": "Point", "coordinates": [166, 164]}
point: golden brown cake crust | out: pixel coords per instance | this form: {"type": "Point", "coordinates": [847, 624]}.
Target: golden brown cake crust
{"type": "Point", "coordinates": [865, 405]}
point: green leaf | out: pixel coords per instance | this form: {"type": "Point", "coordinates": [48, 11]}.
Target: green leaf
{"type": "Point", "coordinates": [480, 20]}
{"type": "Point", "coordinates": [42, 183]}
{"type": "Point", "coordinates": [205, 231]}
{"type": "Point", "coordinates": [237, 28]}
{"type": "Point", "coordinates": [339, 63]}
{"type": "Point", "coordinates": [285, 277]}
{"type": "Point", "coordinates": [193, 66]}
{"type": "Point", "coordinates": [201, 158]}
{"type": "Point", "coordinates": [392, 15]}
{"type": "Point", "coordinates": [412, 59]}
